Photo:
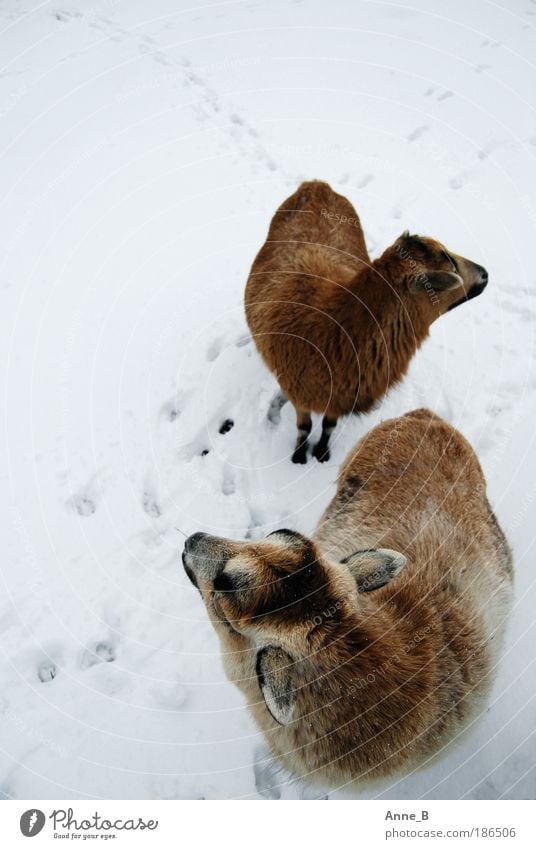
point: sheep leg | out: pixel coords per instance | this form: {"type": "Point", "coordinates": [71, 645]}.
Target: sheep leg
{"type": "Point", "coordinates": [321, 449]}
{"type": "Point", "coordinates": [303, 421]}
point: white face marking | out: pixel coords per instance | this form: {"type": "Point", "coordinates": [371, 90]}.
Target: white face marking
{"type": "Point", "coordinates": [236, 567]}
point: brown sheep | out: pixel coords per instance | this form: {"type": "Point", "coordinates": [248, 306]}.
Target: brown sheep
{"type": "Point", "coordinates": [335, 327]}
{"type": "Point", "coordinates": [362, 653]}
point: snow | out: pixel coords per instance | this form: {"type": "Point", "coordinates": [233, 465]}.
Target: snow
{"type": "Point", "coordinates": [144, 149]}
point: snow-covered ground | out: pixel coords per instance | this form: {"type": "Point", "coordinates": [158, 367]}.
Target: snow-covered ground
{"type": "Point", "coordinates": [144, 148]}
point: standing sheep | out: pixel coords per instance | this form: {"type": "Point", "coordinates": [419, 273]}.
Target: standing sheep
{"type": "Point", "coordinates": [336, 328]}
{"type": "Point", "coordinates": [364, 652]}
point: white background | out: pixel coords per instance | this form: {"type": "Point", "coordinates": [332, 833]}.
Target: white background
{"type": "Point", "coordinates": [143, 150]}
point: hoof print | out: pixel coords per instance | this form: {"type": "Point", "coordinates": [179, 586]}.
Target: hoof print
{"type": "Point", "coordinates": [47, 672]}
{"type": "Point", "coordinates": [150, 506]}
{"type": "Point", "coordinates": [226, 426]}
{"type": "Point", "coordinates": [102, 653]}
{"type": "Point", "coordinates": [105, 652]}
{"type": "Point", "coordinates": [84, 506]}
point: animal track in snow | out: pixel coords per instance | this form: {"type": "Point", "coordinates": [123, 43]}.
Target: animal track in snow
{"type": "Point", "coordinates": [458, 182]}
{"type": "Point", "coordinates": [214, 350]}
{"type": "Point", "coordinates": [103, 652]}
{"type": "Point", "coordinates": [195, 447]}
{"type": "Point", "coordinates": [47, 672]}
{"type": "Point", "coordinates": [66, 17]}
{"type": "Point", "coordinates": [274, 410]}
{"type": "Point", "coordinates": [85, 501]}
{"type": "Point", "coordinates": [418, 132]}
{"type": "Point", "coordinates": [84, 505]}
{"type": "Point", "coordinates": [150, 505]}
{"type": "Point", "coordinates": [368, 178]}
{"type": "Point", "coordinates": [210, 107]}
{"type": "Point", "coordinates": [173, 408]}
{"type": "Point", "coordinates": [519, 308]}
{"type": "Point", "coordinates": [170, 410]}
{"type": "Point", "coordinates": [198, 447]}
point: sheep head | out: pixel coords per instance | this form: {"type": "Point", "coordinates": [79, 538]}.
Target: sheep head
{"type": "Point", "coordinates": [285, 601]}
{"type": "Point", "coordinates": [440, 278]}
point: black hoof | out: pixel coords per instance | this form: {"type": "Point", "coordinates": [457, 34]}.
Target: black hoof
{"type": "Point", "coordinates": [321, 454]}
{"type": "Point", "coordinates": [300, 456]}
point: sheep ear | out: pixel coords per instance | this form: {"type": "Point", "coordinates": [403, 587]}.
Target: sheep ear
{"type": "Point", "coordinates": [274, 674]}
{"type": "Point", "coordinates": [438, 281]}
{"type": "Point", "coordinates": [375, 567]}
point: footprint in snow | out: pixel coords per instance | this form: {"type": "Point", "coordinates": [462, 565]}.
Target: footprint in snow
{"type": "Point", "coordinates": [196, 447]}
{"type": "Point", "coordinates": [274, 410]}
{"type": "Point", "coordinates": [214, 350]}
{"type": "Point", "coordinates": [368, 178]}
{"type": "Point", "coordinates": [66, 17]}
{"type": "Point", "coordinates": [173, 408]}
{"type": "Point", "coordinates": [242, 341]}
{"type": "Point", "coordinates": [150, 505]}
{"type": "Point", "coordinates": [170, 410]}
{"type": "Point", "coordinates": [103, 652]}
{"type": "Point", "coordinates": [47, 672]}
{"type": "Point", "coordinates": [86, 500]}
{"type": "Point", "coordinates": [83, 504]}
{"type": "Point", "coordinates": [226, 426]}
{"type": "Point", "coordinates": [417, 133]}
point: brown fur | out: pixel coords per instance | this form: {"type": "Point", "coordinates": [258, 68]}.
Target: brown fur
{"type": "Point", "coordinates": [336, 328]}
{"type": "Point", "coordinates": [368, 684]}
